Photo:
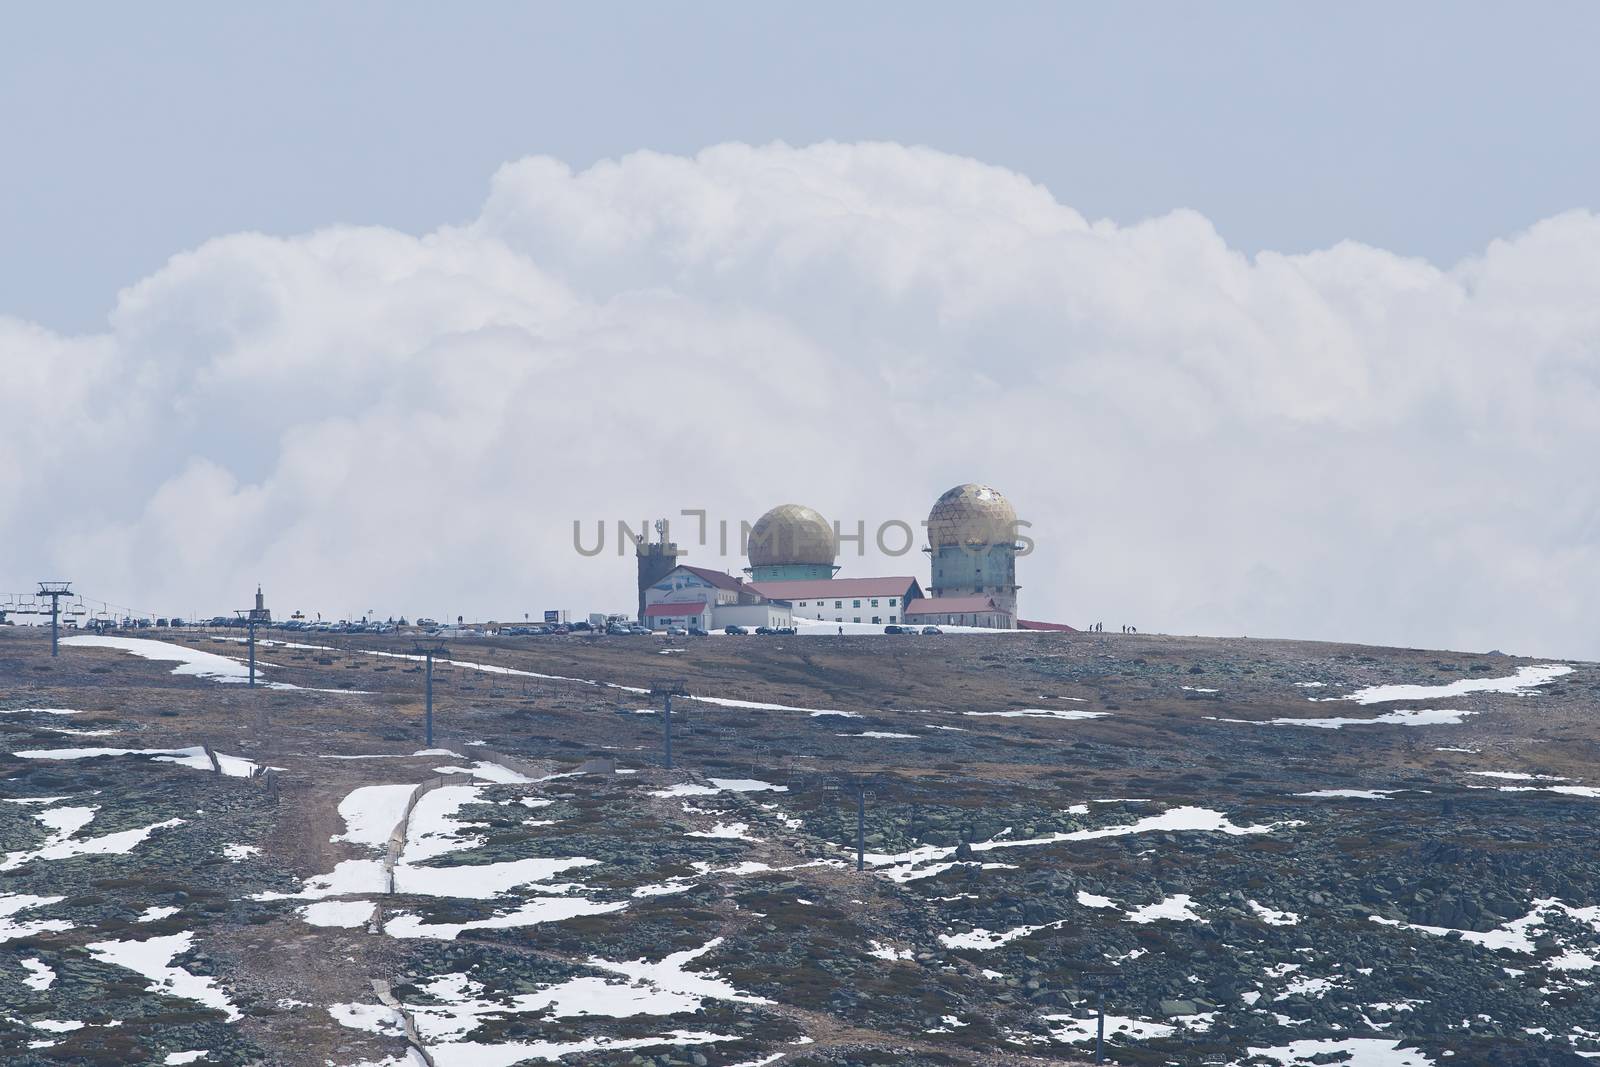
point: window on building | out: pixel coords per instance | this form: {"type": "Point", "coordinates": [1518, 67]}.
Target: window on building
{"type": "Point", "coordinates": [893, 619]}
{"type": "Point", "coordinates": [855, 604]}
{"type": "Point", "coordinates": [838, 603]}
{"type": "Point", "coordinates": [891, 601]}
{"type": "Point", "coordinates": [858, 618]}
{"type": "Point", "coordinates": [876, 619]}
{"type": "Point", "coordinates": [874, 601]}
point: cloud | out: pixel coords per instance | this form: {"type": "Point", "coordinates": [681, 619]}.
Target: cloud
{"type": "Point", "coordinates": [1346, 444]}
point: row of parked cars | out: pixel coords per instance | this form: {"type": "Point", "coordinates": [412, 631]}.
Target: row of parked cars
{"type": "Point", "coordinates": [928, 630]}
{"type": "Point", "coordinates": [763, 631]}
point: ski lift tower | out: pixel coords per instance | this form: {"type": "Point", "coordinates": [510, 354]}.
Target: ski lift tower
{"type": "Point", "coordinates": [253, 617]}
{"type": "Point", "coordinates": [430, 651]}
{"type": "Point", "coordinates": [55, 591]}
{"type": "Point", "coordinates": [666, 691]}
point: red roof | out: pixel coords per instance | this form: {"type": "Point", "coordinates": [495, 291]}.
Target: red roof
{"type": "Point", "coordinates": [681, 609]}
{"type": "Point", "coordinates": [950, 605]}
{"type": "Point", "coordinates": [1026, 624]}
{"type": "Point", "coordinates": [717, 578]}
{"type": "Point", "coordinates": [838, 588]}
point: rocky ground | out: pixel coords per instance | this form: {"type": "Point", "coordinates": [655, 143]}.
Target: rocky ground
{"type": "Point", "coordinates": [1243, 849]}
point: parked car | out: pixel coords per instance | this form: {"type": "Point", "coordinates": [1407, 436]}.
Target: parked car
{"type": "Point", "coordinates": [763, 631]}
{"type": "Point", "coordinates": [893, 629]}
{"type": "Point", "coordinates": [677, 631]}
{"type": "Point", "coordinates": [638, 630]}
{"type": "Point", "coordinates": [929, 631]}
{"type": "Point", "coordinates": [695, 631]}
{"type": "Point", "coordinates": [736, 631]}
{"type": "Point", "coordinates": [785, 631]}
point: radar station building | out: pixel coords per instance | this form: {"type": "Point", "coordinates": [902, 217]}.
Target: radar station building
{"type": "Point", "coordinates": [793, 552]}
{"type": "Point", "coordinates": [972, 542]}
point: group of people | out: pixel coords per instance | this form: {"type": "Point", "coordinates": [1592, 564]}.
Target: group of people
{"type": "Point", "coordinates": [1100, 628]}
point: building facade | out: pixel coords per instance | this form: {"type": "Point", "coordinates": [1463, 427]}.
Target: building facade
{"type": "Point", "coordinates": [867, 600]}
{"type": "Point", "coordinates": [972, 545]}
{"type": "Point", "coordinates": [959, 611]}
{"type": "Point", "coordinates": [709, 599]}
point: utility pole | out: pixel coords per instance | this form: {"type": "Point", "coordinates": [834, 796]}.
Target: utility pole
{"type": "Point", "coordinates": [666, 691]}
{"type": "Point", "coordinates": [253, 616]}
{"type": "Point", "coordinates": [429, 652]}
{"type": "Point", "coordinates": [1100, 1032]}
{"type": "Point", "coordinates": [862, 795]}
{"type": "Point", "coordinates": [250, 641]}
{"type": "Point", "coordinates": [55, 591]}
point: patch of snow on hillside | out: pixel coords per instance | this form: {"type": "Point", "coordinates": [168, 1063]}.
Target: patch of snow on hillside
{"type": "Point", "coordinates": [1514, 776]}
{"type": "Point", "coordinates": [983, 940]}
{"type": "Point", "coordinates": [371, 812]}
{"type": "Point", "coordinates": [152, 958]}
{"type": "Point", "coordinates": [337, 913]}
{"type": "Point", "coordinates": [1568, 790]}
{"type": "Point", "coordinates": [40, 974]}
{"type": "Point", "coordinates": [1073, 1030]}
{"type": "Point", "coordinates": [1273, 917]}
{"type": "Point", "coordinates": [529, 913]}
{"type": "Point", "coordinates": [1347, 1052]}
{"type": "Point", "coordinates": [434, 829]}
{"type": "Point", "coordinates": [1039, 713]}
{"type": "Point", "coordinates": [1175, 908]}
{"type": "Point", "coordinates": [475, 1054]}
{"type": "Point", "coordinates": [489, 772]}
{"type": "Point", "coordinates": [747, 785]}
{"type": "Point", "coordinates": [1523, 683]}
{"type": "Point", "coordinates": [63, 842]}
{"type": "Point", "coordinates": [1415, 717]}
{"type": "Point", "coordinates": [190, 661]}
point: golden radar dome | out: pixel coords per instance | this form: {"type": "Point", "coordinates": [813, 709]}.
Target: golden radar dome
{"type": "Point", "coordinates": [792, 534]}
{"type": "Point", "coordinates": [972, 515]}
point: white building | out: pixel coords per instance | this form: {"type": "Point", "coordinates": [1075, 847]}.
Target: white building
{"type": "Point", "coordinates": [697, 596]}
{"type": "Point", "coordinates": [958, 611]}
{"type": "Point", "coordinates": [869, 600]}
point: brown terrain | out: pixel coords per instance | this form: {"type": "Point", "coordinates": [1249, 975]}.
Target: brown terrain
{"type": "Point", "coordinates": [1051, 822]}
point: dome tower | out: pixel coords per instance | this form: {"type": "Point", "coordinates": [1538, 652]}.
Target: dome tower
{"type": "Point", "coordinates": [972, 539]}
{"type": "Point", "coordinates": [791, 543]}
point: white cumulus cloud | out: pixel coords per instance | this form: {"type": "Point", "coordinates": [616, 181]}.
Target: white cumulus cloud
{"type": "Point", "coordinates": [1344, 444]}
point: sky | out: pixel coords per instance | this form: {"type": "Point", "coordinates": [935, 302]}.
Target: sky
{"type": "Point", "coordinates": [1273, 320]}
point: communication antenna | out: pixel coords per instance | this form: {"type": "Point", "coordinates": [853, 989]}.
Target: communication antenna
{"type": "Point", "coordinates": [666, 691]}
{"type": "Point", "coordinates": [55, 591]}
{"type": "Point", "coordinates": [429, 651]}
